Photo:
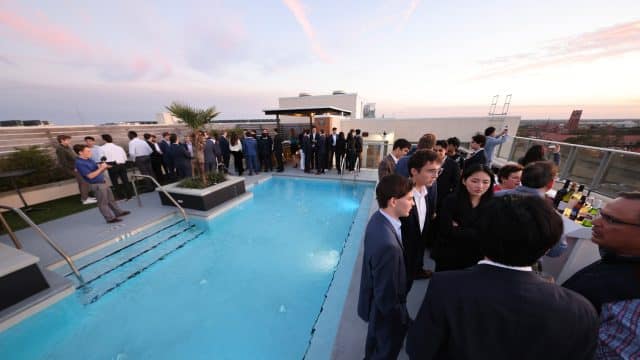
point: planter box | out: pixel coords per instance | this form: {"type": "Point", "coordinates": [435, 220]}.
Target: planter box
{"type": "Point", "coordinates": [204, 199]}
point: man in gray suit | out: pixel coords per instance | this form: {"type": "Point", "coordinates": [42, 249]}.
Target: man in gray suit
{"type": "Point", "coordinates": [212, 154]}
{"type": "Point", "coordinates": [383, 286]}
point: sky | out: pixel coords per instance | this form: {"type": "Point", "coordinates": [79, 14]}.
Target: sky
{"type": "Point", "coordinates": [74, 62]}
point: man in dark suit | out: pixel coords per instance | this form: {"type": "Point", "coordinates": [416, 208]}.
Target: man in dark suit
{"type": "Point", "coordinates": [314, 137]}
{"type": "Point", "coordinates": [225, 150]}
{"type": "Point", "coordinates": [424, 166]}
{"type": "Point", "coordinates": [333, 142]}
{"type": "Point", "coordinates": [359, 144]}
{"type": "Point", "coordinates": [307, 149]}
{"type": "Point", "coordinates": [167, 158]}
{"type": "Point", "coordinates": [449, 180]}
{"type": "Point", "coordinates": [181, 158]}
{"type": "Point", "coordinates": [616, 276]}
{"type": "Point", "coordinates": [321, 151]}
{"type": "Point", "coordinates": [277, 149]}
{"type": "Point", "coordinates": [212, 154]}
{"type": "Point", "coordinates": [388, 165]}
{"type": "Point", "coordinates": [382, 299]}
{"type": "Point", "coordinates": [478, 155]}
{"type": "Point", "coordinates": [500, 309]}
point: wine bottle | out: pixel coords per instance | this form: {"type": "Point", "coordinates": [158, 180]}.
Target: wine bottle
{"type": "Point", "coordinates": [572, 190]}
{"type": "Point", "coordinates": [575, 210]}
{"type": "Point", "coordinates": [560, 195]}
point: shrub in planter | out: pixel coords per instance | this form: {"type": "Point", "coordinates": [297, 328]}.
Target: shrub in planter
{"type": "Point", "coordinates": [33, 157]}
{"type": "Point", "coordinates": [210, 179]}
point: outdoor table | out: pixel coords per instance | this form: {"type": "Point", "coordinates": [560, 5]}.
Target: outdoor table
{"type": "Point", "coordinates": [12, 175]}
{"type": "Point", "coordinates": [580, 252]}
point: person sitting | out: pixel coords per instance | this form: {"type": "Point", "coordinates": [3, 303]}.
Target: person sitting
{"type": "Point", "coordinates": [457, 244]}
{"type": "Point", "coordinates": [499, 309]}
{"type": "Point", "coordinates": [388, 165]}
{"type": "Point", "coordinates": [509, 177]}
{"type": "Point", "coordinates": [92, 173]}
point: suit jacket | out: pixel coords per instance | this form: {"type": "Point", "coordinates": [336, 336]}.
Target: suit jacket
{"type": "Point", "coordinates": [265, 145]}
{"type": "Point", "coordinates": [165, 147]}
{"type": "Point", "coordinates": [224, 146]}
{"type": "Point", "coordinates": [250, 146]}
{"type": "Point", "coordinates": [277, 144]}
{"type": "Point", "coordinates": [478, 157]}
{"type": "Point", "coordinates": [358, 144]}
{"type": "Point", "coordinates": [386, 167]}
{"type": "Point", "coordinates": [181, 157]}
{"type": "Point", "coordinates": [613, 278]}
{"type": "Point", "coordinates": [314, 141]}
{"type": "Point", "coordinates": [383, 283]}
{"type": "Point", "coordinates": [306, 145]}
{"type": "Point", "coordinates": [448, 181]}
{"type": "Point", "coordinates": [341, 145]}
{"type": "Point", "coordinates": [488, 312]}
{"type": "Point", "coordinates": [212, 151]}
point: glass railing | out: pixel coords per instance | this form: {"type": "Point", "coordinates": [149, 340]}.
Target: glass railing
{"type": "Point", "coordinates": [603, 170]}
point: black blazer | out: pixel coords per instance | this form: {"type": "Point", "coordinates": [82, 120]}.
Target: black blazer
{"type": "Point", "coordinates": [457, 247]}
{"type": "Point", "coordinates": [488, 312]}
{"type": "Point", "coordinates": [478, 158]}
{"type": "Point", "coordinates": [448, 181]}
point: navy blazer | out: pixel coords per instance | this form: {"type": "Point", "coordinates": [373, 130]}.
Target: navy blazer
{"type": "Point", "coordinates": [448, 181]}
{"type": "Point", "coordinates": [212, 151]}
{"type": "Point", "coordinates": [167, 158]}
{"type": "Point", "coordinates": [383, 283]}
{"type": "Point", "coordinates": [224, 146]}
{"type": "Point", "coordinates": [479, 157]}
{"type": "Point", "coordinates": [488, 312]}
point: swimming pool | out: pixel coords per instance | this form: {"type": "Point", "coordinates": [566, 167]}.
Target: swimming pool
{"type": "Point", "coordinates": [251, 287]}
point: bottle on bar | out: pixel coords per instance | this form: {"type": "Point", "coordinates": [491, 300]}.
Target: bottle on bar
{"type": "Point", "coordinates": [593, 212]}
{"type": "Point", "coordinates": [575, 210]}
{"type": "Point", "coordinates": [557, 200]}
{"type": "Point", "coordinates": [566, 197]}
{"type": "Point", "coordinates": [578, 194]}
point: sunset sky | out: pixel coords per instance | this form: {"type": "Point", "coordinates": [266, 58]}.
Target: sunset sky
{"type": "Point", "coordinates": [98, 61]}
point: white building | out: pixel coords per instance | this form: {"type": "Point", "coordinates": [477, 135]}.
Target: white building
{"type": "Point", "coordinates": [338, 99]}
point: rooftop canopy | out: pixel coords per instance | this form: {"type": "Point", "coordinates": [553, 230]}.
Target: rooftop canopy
{"type": "Point", "coordinates": [308, 111]}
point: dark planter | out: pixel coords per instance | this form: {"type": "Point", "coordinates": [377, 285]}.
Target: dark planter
{"type": "Point", "coordinates": [204, 199]}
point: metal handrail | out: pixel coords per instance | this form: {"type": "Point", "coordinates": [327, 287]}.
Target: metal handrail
{"type": "Point", "coordinates": [47, 239]}
{"type": "Point", "coordinates": [588, 147]}
{"type": "Point", "coordinates": [342, 162]}
{"type": "Point", "coordinates": [356, 168]}
{"type": "Point", "coordinates": [184, 214]}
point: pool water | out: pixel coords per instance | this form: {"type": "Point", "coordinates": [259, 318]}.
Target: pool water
{"type": "Point", "coordinates": [251, 287]}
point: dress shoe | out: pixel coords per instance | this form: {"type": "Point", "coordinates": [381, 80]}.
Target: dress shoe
{"type": "Point", "coordinates": [114, 220]}
{"type": "Point", "coordinates": [125, 213]}
{"type": "Point", "coordinates": [424, 274]}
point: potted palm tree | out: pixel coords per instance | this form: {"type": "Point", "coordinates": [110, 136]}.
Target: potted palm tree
{"type": "Point", "coordinates": [205, 190]}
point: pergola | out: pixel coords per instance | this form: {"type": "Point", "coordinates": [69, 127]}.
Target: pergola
{"type": "Point", "coordinates": [309, 112]}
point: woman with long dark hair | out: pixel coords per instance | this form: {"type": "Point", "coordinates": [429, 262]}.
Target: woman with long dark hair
{"type": "Point", "coordinates": [351, 150]}
{"type": "Point", "coordinates": [535, 153]}
{"type": "Point", "coordinates": [235, 146]}
{"type": "Point", "coordinates": [457, 246]}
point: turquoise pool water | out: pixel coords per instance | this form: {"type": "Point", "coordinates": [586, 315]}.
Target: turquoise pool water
{"type": "Point", "coordinates": [250, 288]}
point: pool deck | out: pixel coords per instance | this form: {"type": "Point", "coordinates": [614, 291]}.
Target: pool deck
{"type": "Point", "coordinates": [86, 232]}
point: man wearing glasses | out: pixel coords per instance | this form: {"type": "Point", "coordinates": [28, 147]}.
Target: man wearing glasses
{"type": "Point", "coordinates": [612, 284]}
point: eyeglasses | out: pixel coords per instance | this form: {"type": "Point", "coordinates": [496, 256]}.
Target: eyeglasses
{"type": "Point", "coordinates": [613, 221]}
{"type": "Point", "coordinates": [435, 172]}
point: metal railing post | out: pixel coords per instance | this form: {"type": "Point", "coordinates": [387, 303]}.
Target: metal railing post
{"type": "Point", "coordinates": [571, 160]}
{"type": "Point", "coordinates": [7, 228]}
{"type": "Point", "coordinates": [602, 169]}
{"type": "Point", "coordinates": [184, 214]}
{"type": "Point", "coordinates": [47, 239]}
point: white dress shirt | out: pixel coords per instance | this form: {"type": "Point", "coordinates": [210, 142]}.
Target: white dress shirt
{"type": "Point", "coordinates": [96, 153]}
{"type": "Point", "coordinates": [236, 147]}
{"type": "Point", "coordinates": [419, 196]}
{"type": "Point", "coordinates": [137, 148]}
{"type": "Point", "coordinates": [493, 263]}
{"type": "Point", "coordinates": [395, 222]}
{"type": "Point", "coordinates": [114, 153]}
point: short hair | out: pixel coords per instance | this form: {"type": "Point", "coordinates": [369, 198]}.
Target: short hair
{"type": "Point", "coordinates": [454, 141]}
{"type": "Point", "coordinates": [77, 148]}
{"type": "Point", "coordinates": [132, 135]}
{"type": "Point", "coordinates": [146, 136]}
{"type": "Point", "coordinates": [173, 138]}
{"type": "Point", "coordinates": [516, 230]}
{"type": "Point", "coordinates": [164, 134]}
{"type": "Point", "coordinates": [427, 141]}
{"type": "Point", "coordinates": [334, 128]}
{"type": "Point", "coordinates": [275, 129]}
{"type": "Point", "coordinates": [357, 131]}
{"type": "Point", "coordinates": [107, 138]}
{"type": "Point", "coordinates": [480, 139]}
{"type": "Point", "coordinates": [392, 186]}
{"type": "Point", "coordinates": [421, 157]}
{"type": "Point", "coordinates": [401, 144]}
{"type": "Point", "coordinates": [442, 143]}
{"type": "Point", "coordinates": [89, 138]}
{"type": "Point", "coordinates": [538, 174]}
{"type": "Point", "coordinates": [61, 138]}
{"type": "Point", "coordinates": [488, 131]}
{"type": "Point", "coordinates": [507, 170]}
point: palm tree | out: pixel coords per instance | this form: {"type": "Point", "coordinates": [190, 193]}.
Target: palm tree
{"type": "Point", "coordinates": [195, 119]}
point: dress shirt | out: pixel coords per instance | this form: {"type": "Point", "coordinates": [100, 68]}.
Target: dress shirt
{"type": "Point", "coordinates": [334, 138]}
{"type": "Point", "coordinates": [395, 222]}
{"type": "Point", "coordinates": [491, 144]}
{"type": "Point", "coordinates": [157, 147]}
{"type": "Point", "coordinates": [395, 159]}
{"type": "Point", "coordinates": [493, 263]}
{"type": "Point", "coordinates": [419, 196]}
{"type": "Point", "coordinates": [138, 147]}
{"type": "Point", "coordinates": [236, 147]}
{"type": "Point", "coordinates": [190, 148]}
{"type": "Point", "coordinates": [114, 153]}
{"type": "Point", "coordinates": [96, 153]}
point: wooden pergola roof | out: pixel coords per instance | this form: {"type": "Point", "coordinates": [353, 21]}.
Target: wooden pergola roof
{"type": "Point", "coordinates": [308, 111]}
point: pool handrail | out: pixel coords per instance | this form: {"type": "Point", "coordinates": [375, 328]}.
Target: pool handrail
{"type": "Point", "coordinates": [55, 247]}
{"type": "Point", "coordinates": [184, 214]}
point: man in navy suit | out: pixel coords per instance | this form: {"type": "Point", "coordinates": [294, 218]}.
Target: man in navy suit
{"type": "Point", "coordinates": [478, 155]}
{"type": "Point", "coordinates": [424, 166]}
{"type": "Point", "coordinates": [212, 154]}
{"type": "Point", "coordinates": [383, 288]}
{"type": "Point", "coordinates": [500, 309]}
{"type": "Point", "coordinates": [225, 150]}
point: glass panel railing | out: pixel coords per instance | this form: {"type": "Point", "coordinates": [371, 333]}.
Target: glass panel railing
{"type": "Point", "coordinates": [586, 165]}
{"type": "Point", "coordinates": [373, 155]}
{"type": "Point", "coordinates": [621, 174]}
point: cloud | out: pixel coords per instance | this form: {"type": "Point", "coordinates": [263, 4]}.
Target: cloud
{"type": "Point", "coordinates": [73, 50]}
{"type": "Point", "coordinates": [607, 42]}
{"type": "Point", "coordinates": [298, 12]}
{"type": "Point", "coordinates": [413, 4]}
{"type": "Point", "coordinates": [5, 60]}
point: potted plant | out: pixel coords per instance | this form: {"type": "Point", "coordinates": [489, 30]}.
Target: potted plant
{"type": "Point", "coordinates": [205, 190]}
